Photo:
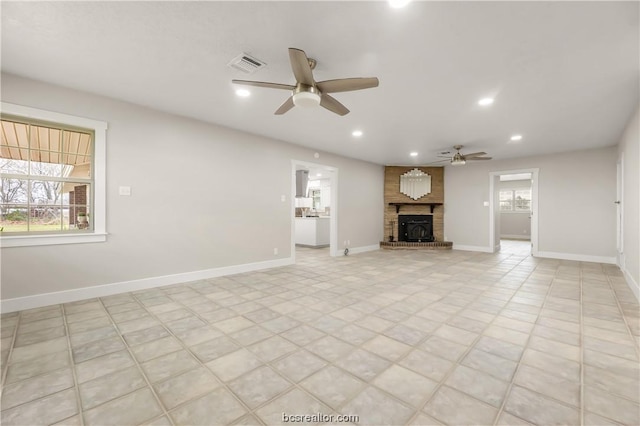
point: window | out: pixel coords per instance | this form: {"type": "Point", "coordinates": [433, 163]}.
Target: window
{"type": "Point", "coordinates": [515, 200]}
{"type": "Point", "coordinates": [51, 178]}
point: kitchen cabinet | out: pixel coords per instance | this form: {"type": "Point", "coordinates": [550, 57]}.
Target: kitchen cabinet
{"type": "Point", "coordinates": [312, 231]}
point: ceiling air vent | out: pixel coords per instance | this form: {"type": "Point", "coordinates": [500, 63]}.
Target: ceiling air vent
{"type": "Point", "coordinates": [247, 64]}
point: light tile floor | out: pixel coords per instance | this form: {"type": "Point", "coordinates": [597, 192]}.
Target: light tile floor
{"type": "Point", "coordinates": [394, 337]}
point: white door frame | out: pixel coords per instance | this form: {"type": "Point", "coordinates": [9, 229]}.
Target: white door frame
{"type": "Point", "coordinates": [333, 218]}
{"type": "Point", "coordinates": [620, 211]}
{"type": "Point", "coordinates": [494, 210]}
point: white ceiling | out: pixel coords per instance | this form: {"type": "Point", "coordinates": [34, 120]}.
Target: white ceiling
{"type": "Point", "coordinates": [565, 75]}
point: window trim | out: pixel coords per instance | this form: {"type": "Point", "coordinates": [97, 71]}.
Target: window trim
{"type": "Point", "coordinates": [99, 233]}
{"type": "Point", "coordinates": [513, 210]}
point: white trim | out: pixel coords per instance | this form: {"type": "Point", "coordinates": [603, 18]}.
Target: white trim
{"type": "Point", "coordinates": [363, 249]}
{"type": "Point", "coordinates": [620, 207]}
{"type": "Point", "coordinates": [99, 128]}
{"type": "Point", "coordinates": [47, 240]}
{"type": "Point", "coordinates": [577, 257]}
{"type": "Point", "coordinates": [633, 285]}
{"type": "Point", "coordinates": [38, 300]}
{"type": "Point", "coordinates": [472, 248]}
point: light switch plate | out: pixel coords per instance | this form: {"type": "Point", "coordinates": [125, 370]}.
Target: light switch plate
{"type": "Point", "coordinates": [124, 190]}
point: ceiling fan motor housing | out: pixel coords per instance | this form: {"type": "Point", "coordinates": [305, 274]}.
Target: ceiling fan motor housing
{"type": "Point", "coordinates": [306, 96]}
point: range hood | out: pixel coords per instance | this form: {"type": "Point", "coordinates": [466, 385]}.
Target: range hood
{"type": "Point", "coordinates": [302, 182]}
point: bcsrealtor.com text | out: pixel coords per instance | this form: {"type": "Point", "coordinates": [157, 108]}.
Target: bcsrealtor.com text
{"type": "Point", "coordinates": [319, 418]}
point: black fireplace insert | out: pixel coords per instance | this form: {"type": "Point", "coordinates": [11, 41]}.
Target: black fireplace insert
{"type": "Point", "coordinates": [415, 228]}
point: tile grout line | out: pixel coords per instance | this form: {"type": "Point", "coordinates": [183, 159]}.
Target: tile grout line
{"type": "Point", "coordinates": [137, 365]}
{"type": "Point", "coordinates": [5, 369]}
{"type": "Point", "coordinates": [381, 287]}
{"type": "Point", "coordinates": [624, 317]}
{"type": "Point", "coordinates": [465, 353]}
{"type": "Point", "coordinates": [510, 384]}
{"type": "Point", "coordinates": [188, 350]}
{"type": "Point", "coordinates": [76, 386]}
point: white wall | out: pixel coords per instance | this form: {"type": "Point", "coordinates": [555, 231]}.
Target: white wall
{"type": "Point", "coordinates": [576, 209]}
{"type": "Point", "coordinates": [629, 147]}
{"type": "Point", "coordinates": [203, 197]}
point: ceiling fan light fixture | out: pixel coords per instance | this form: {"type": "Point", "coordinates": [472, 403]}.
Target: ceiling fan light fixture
{"type": "Point", "coordinates": [458, 160]}
{"type": "Point", "coordinates": [306, 99]}
{"type": "Point", "coordinates": [398, 4]}
{"type": "Point", "coordinates": [243, 93]}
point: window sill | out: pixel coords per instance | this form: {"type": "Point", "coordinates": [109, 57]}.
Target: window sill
{"type": "Point", "coordinates": [515, 212]}
{"type": "Point", "coordinates": [48, 240]}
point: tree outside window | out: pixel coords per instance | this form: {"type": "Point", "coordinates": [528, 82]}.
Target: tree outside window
{"type": "Point", "coordinates": [515, 200]}
{"type": "Point", "coordinates": [45, 177]}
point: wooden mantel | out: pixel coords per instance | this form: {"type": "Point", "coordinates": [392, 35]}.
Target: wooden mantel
{"type": "Point", "coordinates": [432, 205]}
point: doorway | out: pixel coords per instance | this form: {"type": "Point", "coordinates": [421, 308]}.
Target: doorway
{"type": "Point", "coordinates": [620, 211]}
{"type": "Point", "coordinates": [314, 210]}
{"type": "Point", "coordinates": [513, 211]}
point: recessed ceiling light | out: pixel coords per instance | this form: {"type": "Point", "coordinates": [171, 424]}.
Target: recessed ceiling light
{"type": "Point", "coordinates": [319, 174]}
{"type": "Point", "coordinates": [516, 137]}
{"type": "Point", "coordinates": [357, 133]}
{"type": "Point", "coordinates": [413, 154]}
{"type": "Point", "coordinates": [243, 93]}
{"type": "Point", "coordinates": [485, 101]}
{"type": "Point", "coordinates": [397, 4]}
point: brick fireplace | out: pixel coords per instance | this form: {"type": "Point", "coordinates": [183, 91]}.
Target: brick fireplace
{"type": "Point", "coordinates": [400, 207]}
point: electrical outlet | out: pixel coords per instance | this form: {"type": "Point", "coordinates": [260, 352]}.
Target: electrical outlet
{"type": "Point", "coordinates": [283, 198]}
{"type": "Point", "coordinates": [345, 243]}
{"type": "Point", "coordinates": [275, 251]}
{"type": "Point", "coordinates": [348, 242]}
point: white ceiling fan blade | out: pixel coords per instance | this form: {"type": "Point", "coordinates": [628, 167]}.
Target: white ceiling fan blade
{"type": "Point", "coordinates": [264, 84]}
{"type": "Point", "coordinates": [286, 106]}
{"type": "Point", "coordinates": [347, 84]}
{"type": "Point", "coordinates": [333, 105]}
{"type": "Point", "coordinates": [477, 158]}
{"type": "Point", "coordinates": [475, 154]}
{"type": "Point", "coordinates": [300, 66]}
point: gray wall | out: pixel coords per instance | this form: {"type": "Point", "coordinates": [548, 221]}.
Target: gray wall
{"type": "Point", "coordinates": [630, 147]}
{"type": "Point", "coordinates": [576, 195]}
{"type": "Point", "coordinates": [203, 197]}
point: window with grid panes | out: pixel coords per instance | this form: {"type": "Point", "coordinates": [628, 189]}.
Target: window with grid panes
{"type": "Point", "coordinates": [515, 200]}
{"type": "Point", "coordinates": [46, 172]}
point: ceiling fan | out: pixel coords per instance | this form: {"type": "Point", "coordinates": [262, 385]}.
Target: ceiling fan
{"type": "Point", "coordinates": [459, 159]}
{"type": "Point", "coordinates": [308, 92]}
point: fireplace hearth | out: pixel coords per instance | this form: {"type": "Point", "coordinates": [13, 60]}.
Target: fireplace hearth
{"type": "Point", "coordinates": [415, 228]}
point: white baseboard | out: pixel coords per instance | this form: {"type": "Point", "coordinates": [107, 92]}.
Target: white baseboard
{"type": "Point", "coordinates": [483, 249]}
{"type": "Point", "coordinates": [364, 249]}
{"type": "Point", "coordinates": [633, 285]}
{"type": "Point", "coordinates": [577, 257]}
{"type": "Point", "coordinates": [65, 296]}
{"type": "Point", "coordinates": [356, 250]}
{"type": "Point", "coordinates": [516, 237]}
